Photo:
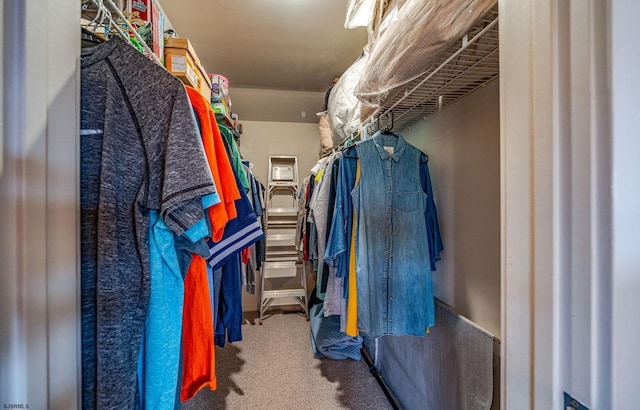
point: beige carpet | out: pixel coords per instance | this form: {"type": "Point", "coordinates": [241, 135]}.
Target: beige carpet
{"type": "Point", "coordinates": [273, 368]}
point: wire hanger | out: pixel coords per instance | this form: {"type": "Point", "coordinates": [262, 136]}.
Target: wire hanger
{"type": "Point", "coordinates": [389, 127]}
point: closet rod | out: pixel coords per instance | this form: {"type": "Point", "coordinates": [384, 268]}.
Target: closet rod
{"type": "Point", "coordinates": [144, 45]}
{"type": "Point", "coordinates": [103, 9]}
{"type": "Point", "coordinates": [135, 33]}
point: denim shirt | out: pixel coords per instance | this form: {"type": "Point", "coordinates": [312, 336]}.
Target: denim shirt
{"type": "Point", "coordinates": [396, 213]}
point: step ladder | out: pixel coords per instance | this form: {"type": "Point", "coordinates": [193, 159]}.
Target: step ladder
{"type": "Point", "coordinates": [283, 264]}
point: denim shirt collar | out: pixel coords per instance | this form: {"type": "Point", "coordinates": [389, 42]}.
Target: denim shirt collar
{"type": "Point", "coordinates": [398, 150]}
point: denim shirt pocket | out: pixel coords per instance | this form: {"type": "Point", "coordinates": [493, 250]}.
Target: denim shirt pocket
{"type": "Point", "coordinates": [410, 201]}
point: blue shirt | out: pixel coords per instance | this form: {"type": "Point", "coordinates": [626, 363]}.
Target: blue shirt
{"type": "Point", "coordinates": [396, 211]}
{"type": "Point", "coordinates": [159, 357]}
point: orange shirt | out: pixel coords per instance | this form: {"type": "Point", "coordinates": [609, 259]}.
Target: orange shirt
{"type": "Point", "coordinates": [219, 163]}
{"type": "Point", "coordinates": [198, 352]}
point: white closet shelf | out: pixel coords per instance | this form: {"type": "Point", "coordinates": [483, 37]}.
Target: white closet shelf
{"type": "Point", "coordinates": [472, 62]}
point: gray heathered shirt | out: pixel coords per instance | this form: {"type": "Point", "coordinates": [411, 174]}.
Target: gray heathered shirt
{"type": "Point", "coordinates": [140, 150]}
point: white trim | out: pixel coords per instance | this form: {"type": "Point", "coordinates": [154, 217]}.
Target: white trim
{"type": "Point", "coordinates": [570, 201]}
{"type": "Point", "coordinates": [625, 185]}
{"type": "Point", "coordinates": [39, 201]}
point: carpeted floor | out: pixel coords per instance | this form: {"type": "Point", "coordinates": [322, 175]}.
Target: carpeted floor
{"type": "Point", "coordinates": [273, 368]}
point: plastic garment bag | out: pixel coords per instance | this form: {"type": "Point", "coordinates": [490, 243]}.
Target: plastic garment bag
{"type": "Point", "coordinates": [359, 13]}
{"type": "Point", "coordinates": [420, 33]}
{"type": "Point", "coordinates": [344, 107]}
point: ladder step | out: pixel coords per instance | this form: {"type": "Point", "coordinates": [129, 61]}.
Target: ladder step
{"type": "Point", "coordinates": [279, 269]}
{"type": "Point", "coordinates": [283, 293]}
{"type": "Point", "coordinates": [283, 222]}
{"type": "Point", "coordinates": [279, 265]}
{"type": "Point", "coordinates": [291, 256]}
{"type": "Point", "coordinates": [282, 252]}
{"type": "Point", "coordinates": [281, 239]}
{"type": "Point", "coordinates": [282, 211]}
{"type": "Point", "coordinates": [281, 258]}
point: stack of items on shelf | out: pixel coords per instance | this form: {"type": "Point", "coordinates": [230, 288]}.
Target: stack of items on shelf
{"type": "Point", "coordinates": [182, 61]}
{"type": "Point", "coordinates": [405, 40]}
{"type": "Point", "coordinates": [171, 226]}
{"type": "Point", "coordinates": [220, 95]}
{"type": "Point", "coordinates": [102, 19]}
{"type": "Point", "coordinates": [150, 15]}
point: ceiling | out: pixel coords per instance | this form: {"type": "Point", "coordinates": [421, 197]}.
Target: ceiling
{"type": "Point", "coordinates": [295, 45]}
{"type": "Point", "coordinates": [280, 56]}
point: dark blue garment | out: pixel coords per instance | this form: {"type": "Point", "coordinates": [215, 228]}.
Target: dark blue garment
{"type": "Point", "coordinates": [239, 233]}
{"type": "Point", "coordinates": [333, 182]}
{"type": "Point", "coordinates": [338, 246]}
{"type": "Point", "coordinates": [229, 321]}
{"type": "Point", "coordinates": [217, 286]}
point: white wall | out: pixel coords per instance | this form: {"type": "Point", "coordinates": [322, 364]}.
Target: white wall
{"type": "Point", "coordinates": [625, 259]}
{"type": "Point", "coordinates": [463, 144]}
{"type": "Point", "coordinates": [255, 104]}
{"type": "Point", "coordinates": [262, 139]}
{"type": "Point", "coordinates": [570, 260]}
{"type": "Point", "coordinates": [39, 281]}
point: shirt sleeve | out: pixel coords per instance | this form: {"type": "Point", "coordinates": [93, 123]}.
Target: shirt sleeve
{"type": "Point", "coordinates": [339, 235]}
{"type": "Point", "coordinates": [337, 242]}
{"type": "Point", "coordinates": [431, 215]}
{"type": "Point", "coordinates": [186, 177]}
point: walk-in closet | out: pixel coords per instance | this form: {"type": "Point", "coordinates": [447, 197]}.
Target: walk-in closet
{"type": "Point", "coordinates": [349, 204]}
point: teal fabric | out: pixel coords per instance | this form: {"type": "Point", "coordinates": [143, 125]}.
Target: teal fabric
{"type": "Point", "coordinates": [159, 361]}
{"type": "Point", "coordinates": [163, 328]}
{"type": "Point", "coordinates": [236, 160]}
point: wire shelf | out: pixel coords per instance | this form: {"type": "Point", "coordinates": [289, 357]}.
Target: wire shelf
{"type": "Point", "coordinates": [472, 62]}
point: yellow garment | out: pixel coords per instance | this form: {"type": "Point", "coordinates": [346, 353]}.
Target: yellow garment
{"type": "Point", "coordinates": [319, 176]}
{"type": "Point", "coordinates": [352, 296]}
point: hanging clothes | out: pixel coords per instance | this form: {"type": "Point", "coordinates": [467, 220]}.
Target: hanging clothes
{"type": "Point", "coordinates": [198, 353]}
{"type": "Point", "coordinates": [250, 261]}
{"type": "Point", "coordinates": [319, 213]}
{"type": "Point", "coordinates": [387, 213]}
{"type": "Point", "coordinates": [219, 164]}
{"type": "Point", "coordinates": [234, 154]}
{"type": "Point", "coordinates": [140, 151]}
{"type": "Point", "coordinates": [239, 234]}
{"type": "Point", "coordinates": [159, 360]}
{"type": "Point", "coordinates": [334, 300]}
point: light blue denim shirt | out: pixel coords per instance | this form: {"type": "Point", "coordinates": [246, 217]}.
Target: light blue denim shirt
{"type": "Point", "coordinates": [393, 268]}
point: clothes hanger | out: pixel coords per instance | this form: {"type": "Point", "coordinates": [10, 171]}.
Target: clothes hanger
{"type": "Point", "coordinates": [91, 38]}
{"type": "Point", "coordinates": [389, 127]}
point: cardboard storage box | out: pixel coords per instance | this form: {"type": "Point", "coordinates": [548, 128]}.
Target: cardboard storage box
{"type": "Point", "coordinates": [182, 61]}
{"type": "Point", "coordinates": [205, 83]}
